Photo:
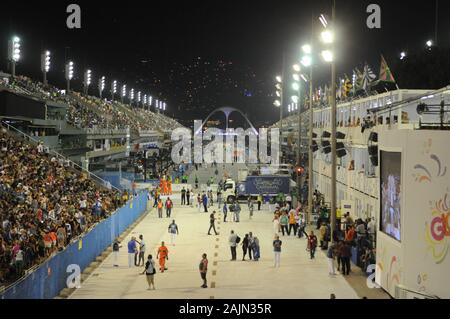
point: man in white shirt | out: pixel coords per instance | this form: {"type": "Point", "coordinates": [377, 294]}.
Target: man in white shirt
{"type": "Point", "coordinates": [173, 231]}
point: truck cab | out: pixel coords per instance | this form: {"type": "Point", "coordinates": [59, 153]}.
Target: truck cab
{"type": "Point", "coordinates": [229, 191]}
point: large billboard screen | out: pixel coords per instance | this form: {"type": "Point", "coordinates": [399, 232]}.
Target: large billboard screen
{"type": "Point", "coordinates": [390, 191]}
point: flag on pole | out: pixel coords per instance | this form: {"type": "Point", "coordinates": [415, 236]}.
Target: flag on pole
{"type": "Point", "coordinates": [368, 77]}
{"type": "Point", "coordinates": [385, 72]}
{"type": "Point", "coordinates": [347, 87]}
{"type": "Point", "coordinates": [357, 80]}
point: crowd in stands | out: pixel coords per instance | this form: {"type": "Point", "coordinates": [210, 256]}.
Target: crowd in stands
{"type": "Point", "coordinates": [44, 205]}
{"type": "Point", "coordinates": [92, 112]}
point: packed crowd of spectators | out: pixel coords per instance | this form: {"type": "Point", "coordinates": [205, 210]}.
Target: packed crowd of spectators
{"type": "Point", "coordinates": [92, 112]}
{"type": "Point", "coordinates": [25, 85]}
{"type": "Point", "coordinates": [44, 205]}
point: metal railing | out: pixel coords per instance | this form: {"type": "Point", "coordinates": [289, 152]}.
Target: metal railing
{"type": "Point", "coordinates": [72, 164]}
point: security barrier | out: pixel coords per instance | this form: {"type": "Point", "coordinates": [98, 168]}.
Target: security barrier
{"type": "Point", "coordinates": [50, 277]}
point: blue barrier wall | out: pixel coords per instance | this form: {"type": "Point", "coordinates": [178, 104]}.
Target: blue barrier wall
{"type": "Point", "coordinates": [50, 278]}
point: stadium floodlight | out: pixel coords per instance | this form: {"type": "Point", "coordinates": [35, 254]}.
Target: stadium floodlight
{"type": "Point", "coordinates": [139, 98]}
{"type": "Point", "coordinates": [69, 74]}
{"type": "Point", "coordinates": [144, 100]}
{"type": "Point", "coordinates": [124, 92]}
{"type": "Point", "coordinates": [307, 49]}
{"type": "Point", "coordinates": [164, 106]}
{"type": "Point", "coordinates": [14, 53]}
{"type": "Point", "coordinates": [113, 89]}
{"type": "Point", "coordinates": [295, 86]}
{"type": "Point", "coordinates": [101, 85]}
{"type": "Point", "coordinates": [277, 103]}
{"type": "Point", "coordinates": [296, 67]}
{"type": "Point", "coordinates": [45, 65]}
{"type": "Point", "coordinates": [402, 55]}
{"type": "Point", "coordinates": [303, 77]}
{"type": "Point", "coordinates": [131, 96]}
{"type": "Point", "coordinates": [278, 93]}
{"type": "Point", "coordinates": [296, 77]}
{"type": "Point", "coordinates": [327, 37]}
{"type": "Point", "coordinates": [156, 104]}
{"type": "Point", "coordinates": [289, 108]}
{"type": "Point", "coordinates": [327, 55]}
{"type": "Point", "coordinates": [294, 98]}
{"type": "Point", "coordinates": [279, 79]}
{"type": "Point", "coordinates": [87, 80]}
{"type": "Point", "coordinates": [150, 101]}
{"type": "Point", "coordinates": [306, 60]}
{"type": "Point", "coordinates": [323, 20]}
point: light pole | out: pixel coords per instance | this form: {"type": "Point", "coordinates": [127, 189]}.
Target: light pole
{"type": "Point", "coordinates": [279, 103]}
{"type": "Point", "coordinates": [144, 101]}
{"type": "Point", "coordinates": [14, 53]}
{"type": "Point", "coordinates": [87, 81]}
{"type": "Point", "coordinates": [131, 97]}
{"type": "Point", "coordinates": [45, 65]}
{"type": "Point", "coordinates": [150, 102]}
{"type": "Point", "coordinates": [328, 55]}
{"type": "Point", "coordinates": [138, 98]}
{"type": "Point", "coordinates": [101, 86]}
{"type": "Point", "coordinates": [113, 89]}
{"type": "Point", "coordinates": [124, 93]}
{"type": "Point", "coordinates": [69, 74]}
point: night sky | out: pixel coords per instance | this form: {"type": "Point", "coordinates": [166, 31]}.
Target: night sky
{"type": "Point", "coordinates": [200, 55]}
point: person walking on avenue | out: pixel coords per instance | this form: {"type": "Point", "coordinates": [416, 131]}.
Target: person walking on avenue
{"type": "Point", "coordinates": [196, 181]}
{"type": "Point", "coordinates": [346, 253]}
{"type": "Point", "coordinates": [251, 208]}
{"type": "Point", "coordinates": [276, 225]}
{"type": "Point", "coordinates": [203, 268]}
{"type": "Point", "coordinates": [233, 241]}
{"type": "Point", "coordinates": [160, 208]}
{"type": "Point", "coordinates": [183, 196]}
{"type": "Point", "coordinates": [116, 248]}
{"type": "Point", "coordinates": [245, 245]}
{"type": "Point", "coordinates": [237, 211]}
{"type": "Point", "coordinates": [277, 250]}
{"type": "Point", "coordinates": [284, 221]}
{"type": "Point", "coordinates": [256, 249]}
{"type": "Point", "coordinates": [150, 271]}
{"type": "Point", "coordinates": [212, 223]}
{"type": "Point", "coordinates": [205, 202]}
{"type": "Point", "coordinates": [225, 212]}
{"type": "Point", "coordinates": [163, 255]}
{"type": "Point", "coordinates": [292, 223]}
{"type": "Point", "coordinates": [312, 244]}
{"type": "Point", "coordinates": [199, 202]}
{"type": "Point", "coordinates": [141, 243]}
{"type": "Point", "coordinates": [330, 257]}
{"type": "Point", "coordinates": [173, 231]}
{"type": "Point", "coordinates": [188, 197]}
{"type": "Point", "coordinates": [219, 197]}
{"type": "Point", "coordinates": [322, 233]}
{"type": "Point", "coordinates": [169, 205]}
{"type": "Point", "coordinates": [132, 249]}
{"type": "Point", "coordinates": [259, 201]}
{"type": "Point", "coordinates": [250, 245]}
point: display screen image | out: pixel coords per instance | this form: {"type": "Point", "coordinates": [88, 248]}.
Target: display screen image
{"type": "Point", "coordinates": [390, 190]}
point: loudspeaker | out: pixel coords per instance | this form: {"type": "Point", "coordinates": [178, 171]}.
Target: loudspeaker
{"type": "Point", "coordinates": [373, 150]}
{"type": "Point", "coordinates": [373, 137]}
{"type": "Point", "coordinates": [325, 144]}
{"type": "Point", "coordinates": [340, 135]}
{"type": "Point", "coordinates": [326, 150]}
{"type": "Point", "coordinates": [314, 135]}
{"type": "Point", "coordinates": [326, 134]}
{"type": "Point", "coordinates": [314, 146]}
{"type": "Point", "coordinates": [341, 152]}
{"type": "Point", "coordinates": [340, 145]}
{"type": "Point", "coordinates": [374, 160]}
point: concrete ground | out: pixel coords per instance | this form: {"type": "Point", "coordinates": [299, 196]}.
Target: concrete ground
{"type": "Point", "coordinates": [298, 276]}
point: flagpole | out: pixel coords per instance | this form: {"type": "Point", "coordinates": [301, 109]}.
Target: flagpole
{"type": "Point", "coordinates": [310, 152]}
